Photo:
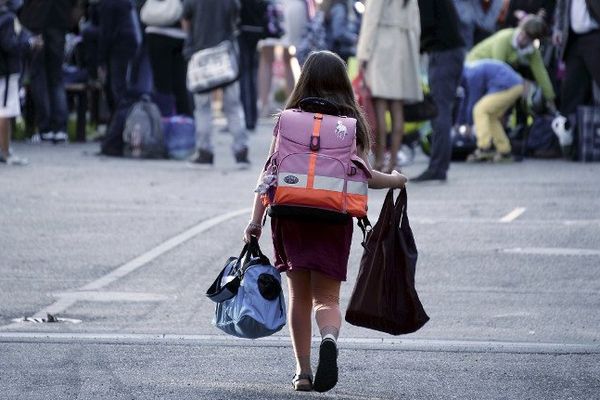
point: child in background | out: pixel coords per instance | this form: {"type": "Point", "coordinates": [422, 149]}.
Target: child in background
{"type": "Point", "coordinates": [315, 253]}
{"type": "Point", "coordinates": [13, 42]}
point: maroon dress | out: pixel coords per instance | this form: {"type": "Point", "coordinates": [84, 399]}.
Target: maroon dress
{"type": "Point", "coordinates": [312, 245]}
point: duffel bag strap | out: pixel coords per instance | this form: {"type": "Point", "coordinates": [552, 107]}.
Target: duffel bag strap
{"type": "Point", "coordinates": [365, 226]}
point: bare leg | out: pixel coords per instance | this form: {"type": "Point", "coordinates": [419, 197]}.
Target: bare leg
{"type": "Point", "coordinates": [265, 76]}
{"type": "Point", "coordinates": [381, 106]}
{"type": "Point", "coordinates": [326, 302]}
{"type": "Point", "coordinates": [397, 112]}
{"type": "Point", "coordinates": [299, 316]}
{"type": "Point", "coordinates": [5, 131]}
{"type": "Point", "coordinates": [289, 74]}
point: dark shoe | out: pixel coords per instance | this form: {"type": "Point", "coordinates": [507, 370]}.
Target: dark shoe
{"type": "Point", "coordinates": [302, 382]}
{"type": "Point", "coordinates": [481, 155]}
{"type": "Point", "coordinates": [241, 157]}
{"type": "Point", "coordinates": [327, 370]}
{"type": "Point", "coordinates": [202, 157]}
{"type": "Point", "coordinates": [429, 175]}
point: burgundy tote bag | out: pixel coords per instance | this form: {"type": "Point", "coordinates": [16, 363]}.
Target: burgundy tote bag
{"type": "Point", "coordinates": [384, 296]}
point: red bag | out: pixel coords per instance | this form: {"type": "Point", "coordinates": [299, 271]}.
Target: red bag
{"type": "Point", "coordinates": [384, 296]}
{"type": "Point", "coordinates": [364, 99]}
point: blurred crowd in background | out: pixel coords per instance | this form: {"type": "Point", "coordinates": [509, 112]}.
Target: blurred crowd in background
{"type": "Point", "coordinates": [474, 80]}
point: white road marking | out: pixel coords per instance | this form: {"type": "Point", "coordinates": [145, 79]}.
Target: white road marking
{"type": "Point", "coordinates": [159, 250]}
{"type": "Point", "coordinates": [553, 251]}
{"type": "Point", "coordinates": [65, 302]}
{"type": "Point", "coordinates": [514, 214]}
{"type": "Point", "coordinates": [485, 221]}
{"type": "Point", "coordinates": [432, 345]}
{"type": "Point", "coordinates": [90, 295]}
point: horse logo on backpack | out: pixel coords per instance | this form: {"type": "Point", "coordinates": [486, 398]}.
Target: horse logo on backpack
{"type": "Point", "coordinates": [315, 171]}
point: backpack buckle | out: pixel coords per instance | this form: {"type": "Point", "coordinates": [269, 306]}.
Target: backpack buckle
{"type": "Point", "coordinates": [315, 143]}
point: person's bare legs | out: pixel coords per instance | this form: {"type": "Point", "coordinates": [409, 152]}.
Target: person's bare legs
{"type": "Point", "coordinates": [300, 318]}
{"type": "Point", "coordinates": [397, 112]}
{"type": "Point", "coordinates": [381, 107]}
{"type": "Point", "coordinates": [326, 302]}
{"type": "Point", "coordinates": [5, 131]}
{"type": "Point", "coordinates": [265, 77]}
{"type": "Point", "coordinates": [289, 73]}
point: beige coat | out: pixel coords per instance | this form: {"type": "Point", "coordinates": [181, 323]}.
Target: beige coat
{"type": "Point", "coordinates": [389, 43]}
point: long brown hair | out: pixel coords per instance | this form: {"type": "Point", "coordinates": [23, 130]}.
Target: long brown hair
{"type": "Point", "coordinates": [324, 75]}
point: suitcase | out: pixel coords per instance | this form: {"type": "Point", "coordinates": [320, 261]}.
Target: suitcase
{"type": "Point", "coordinates": [588, 133]}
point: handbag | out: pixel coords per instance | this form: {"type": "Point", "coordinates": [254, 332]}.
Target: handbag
{"type": "Point", "coordinates": [161, 12]}
{"type": "Point", "coordinates": [213, 67]}
{"type": "Point", "coordinates": [384, 296]}
{"type": "Point", "coordinates": [364, 99]}
{"type": "Point", "coordinates": [250, 302]}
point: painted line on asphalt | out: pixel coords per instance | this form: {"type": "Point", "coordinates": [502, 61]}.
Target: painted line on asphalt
{"type": "Point", "coordinates": [426, 345]}
{"type": "Point", "coordinates": [552, 251]}
{"type": "Point", "coordinates": [514, 214]}
{"type": "Point", "coordinates": [529, 222]}
{"type": "Point", "coordinates": [101, 296]}
{"type": "Point", "coordinates": [161, 249]}
{"type": "Point", "coordinates": [67, 301]}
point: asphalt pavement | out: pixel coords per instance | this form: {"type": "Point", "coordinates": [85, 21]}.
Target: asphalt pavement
{"type": "Point", "coordinates": [123, 251]}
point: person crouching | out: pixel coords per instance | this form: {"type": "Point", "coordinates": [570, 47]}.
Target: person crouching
{"type": "Point", "coordinates": [491, 88]}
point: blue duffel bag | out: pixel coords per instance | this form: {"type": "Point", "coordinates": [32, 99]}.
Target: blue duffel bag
{"type": "Point", "coordinates": [180, 136]}
{"type": "Point", "coordinates": [250, 302]}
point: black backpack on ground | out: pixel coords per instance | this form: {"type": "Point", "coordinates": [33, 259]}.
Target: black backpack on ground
{"type": "Point", "coordinates": [135, 129]}
{"type": "Point", "coordinates": [143, 133]}
{"type": "Point", "coordinates": [541, 141]}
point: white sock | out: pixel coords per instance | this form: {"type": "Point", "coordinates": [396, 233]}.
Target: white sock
{"type": "Point", "coordinates": [329, 336]}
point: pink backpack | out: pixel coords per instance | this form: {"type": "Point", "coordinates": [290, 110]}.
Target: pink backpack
{"type": "Point", "coordinates": [315, 170]}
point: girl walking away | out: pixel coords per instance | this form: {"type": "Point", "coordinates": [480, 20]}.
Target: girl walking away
{"type": "Point", "coordinates": [14, 40]}
{"type": "Point", "coordinates": [315, 252]}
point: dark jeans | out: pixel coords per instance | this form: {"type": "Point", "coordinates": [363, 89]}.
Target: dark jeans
{"type": "Point", "coordinates": [90, 35]}
{"type": "Point", "coordinates": [445, 70]}
{"type": "Point", "coordinates": [582, 59]}
{"type": "Point", "coordinates": [119, 70]}
{"type": "Point", "coordinates": [248, 77]}
{"type": "Point", "coordinates": [169, 70]}
{"type": "Point", "coordinates": [47, 85]}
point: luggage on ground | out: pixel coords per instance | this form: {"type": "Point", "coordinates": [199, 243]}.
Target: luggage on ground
{"type": "Point", "coordinates": [588, 133]}
{"type": "Point", "coordinates": [180, 136]}
{"type": "Point", "coordinates": [542, 142]}
{"type": "Point", "coordinates": [143, 134]}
